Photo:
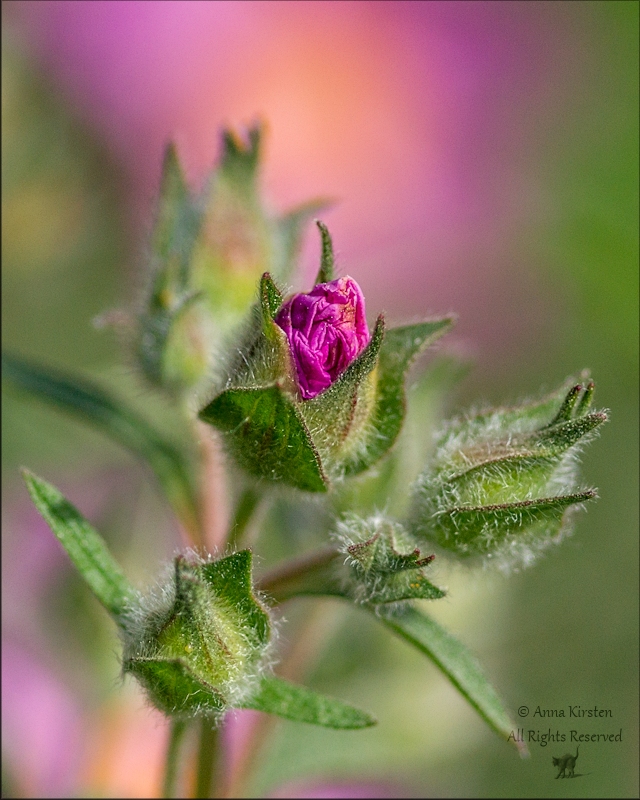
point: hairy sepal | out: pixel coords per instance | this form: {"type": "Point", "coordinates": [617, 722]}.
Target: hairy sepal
{"type": "Point", "coordinates": [383, 564]}
{"type": "Point", "coordinates": [503, 483]}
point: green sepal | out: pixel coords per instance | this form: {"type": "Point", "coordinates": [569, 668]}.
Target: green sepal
{"type": "Point", "coordinates": [270, 297]}
{"type": "Point", "coordinates": [267, 435]}
{"type": "Point", "coordinates": [559, 437]}
{"type": "Point", "coordinates": [456, 662]}
{"type": "Point", "coordinates": [162, 346]}
{"type": "Point", "coordinates": [339, 415]}
{"type": "Point", "coordinates": [482, 529]}
{"type": "Point", "coordinates": [297, 703]}
{"type": "Point", "coordinates": [290, 229]}
{"type": "Point", "coordinates": [400, 347]}
{"type": "Point", "coordinates": [327, 260]}
{"type": "Point", "coordinates": [174, 690]}
{"type": "Point", "coordinates": [84, 546]}
{"type": "Point", "coordinates": [199, 647]}
{"type": "Point", "coordinates": [177, 221]}
{"type": "Point", "coordinates": [384, 565]}
{"type": "Point", "coordinates": [239, 161]}
{"type": "Point", "coordinates": [92, 404]}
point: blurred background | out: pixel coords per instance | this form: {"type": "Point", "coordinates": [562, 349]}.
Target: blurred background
{"type": "Point", "coordinates": [484, 160]}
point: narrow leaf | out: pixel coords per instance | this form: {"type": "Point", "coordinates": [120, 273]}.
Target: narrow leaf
{"type": "Point", "coordinates": [267, 436]}
{"type": "Point", "coordinates": [457, 663]}
{"type": "Point", "coordinates": [84, 545]}
{"type": "Point", "coordinates": [299, 704]}
{"type": "Point", "coordinates": [89, 402]}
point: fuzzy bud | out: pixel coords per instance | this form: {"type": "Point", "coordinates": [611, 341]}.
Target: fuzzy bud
{"type": "Point", "coordinates": [310, 397]}
{"type": "Point", "coordinates": [502, 484]}
{"type": "Point", "coordinates": [200, 645]}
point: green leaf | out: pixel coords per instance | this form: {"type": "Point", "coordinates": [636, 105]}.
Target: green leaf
{"type": "Point", "coordinates": [299, 704]}
{"type": "Point", "coordinates": [456, 662]}
{"type": "Point", "coordinates": [400, 347]}
{"type": "Point", "coordinates": [327, 261]}
{"type": "Point", "coordinates": [267, 436]}
{"type": "Point", "coordinates": [93, 405]}
{"type": "Point", "coordinates": [84, 546]}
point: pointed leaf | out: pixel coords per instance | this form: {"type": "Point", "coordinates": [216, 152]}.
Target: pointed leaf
{"type": "Point", "coordinates": [400, 347]}
{"type": "Point", "coordinates": [268, 437]}
{"type": "Point", "coordinates": [455, 661]}
{"type": "Point", "coordinates": [299, 704]}
{"type": "Point", "coordinates": [92, 404]}
{"type": "Point", "coordinates": [84, 545]}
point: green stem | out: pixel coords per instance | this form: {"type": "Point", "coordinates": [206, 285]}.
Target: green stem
{"type": "Point", "coordinates": [245, 509]}
{"type": "Point", "coordinates": [176, 734]}
{"type": "Point", "coordinates": [313, 573]}
{"type": "Point", "coordinates": [207, 760]}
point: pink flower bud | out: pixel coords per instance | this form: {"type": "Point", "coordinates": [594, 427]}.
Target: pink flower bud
{"type": "Point", "coordinates": [327, 329]}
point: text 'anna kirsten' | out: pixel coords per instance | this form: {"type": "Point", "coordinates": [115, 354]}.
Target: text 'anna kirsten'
{"type": "Point", "coordinates": [572, 711]}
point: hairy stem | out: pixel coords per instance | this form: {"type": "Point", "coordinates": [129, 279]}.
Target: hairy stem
{"type": "Point", "coordinates": [313, 573]}
{"type": "Point", "coordinates": [207, 760]}
{"type": "Point", "coordinates": [245, 509]}
{"type": "Point", "coordinates": [176, 735]}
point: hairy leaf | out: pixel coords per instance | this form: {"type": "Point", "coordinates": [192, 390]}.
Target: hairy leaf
{"type": "Point", "coordinates": [456, 662]}
{"type": "Point", "coordinates": [299, 704]}
{"type": "Point", "coordinates": [84, 546]}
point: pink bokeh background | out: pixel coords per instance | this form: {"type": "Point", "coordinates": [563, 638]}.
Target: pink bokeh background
{"type": "Point", "coordinates": [414, 116]}
{"type": "Point", "coordinates": [417, 117]}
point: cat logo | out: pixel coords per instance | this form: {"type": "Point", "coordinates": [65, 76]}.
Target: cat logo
{"type": "Point", "coordinates": [566, 764]}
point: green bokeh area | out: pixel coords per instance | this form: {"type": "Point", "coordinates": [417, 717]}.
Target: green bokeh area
{"type": "Point", "coordinates": [559, 635]}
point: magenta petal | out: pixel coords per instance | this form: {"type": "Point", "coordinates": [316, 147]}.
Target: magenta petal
{"type": "Point", "coordinates": [327, 329]}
